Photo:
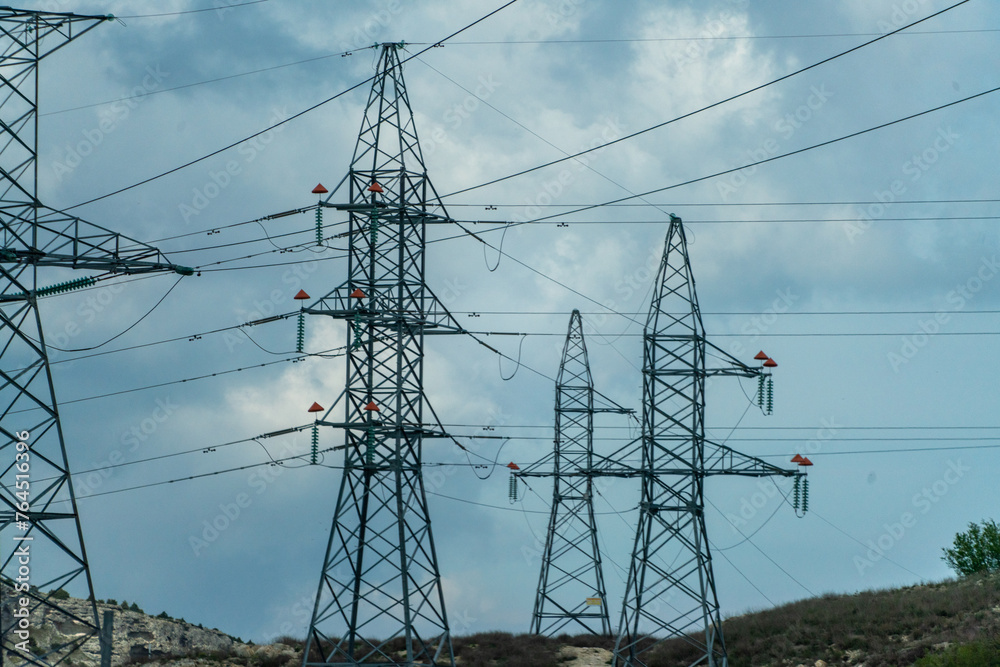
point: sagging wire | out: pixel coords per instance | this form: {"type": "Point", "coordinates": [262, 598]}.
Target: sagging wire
{"type": "Point", "coordinates": [118, 335]}
{"type": "Point", "coordinates": [499, 250]}
{"type": "Point", "coordinates": [279, 462]}
{"type": "Point", "coordinates": [518, 362]}
{"type": "Point", "coordinates": [746, 538]}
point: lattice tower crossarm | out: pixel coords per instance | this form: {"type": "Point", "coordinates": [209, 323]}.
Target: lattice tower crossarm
{"type": "Point", "coordinates": [380, 576]}
{"type": "Point", "coordinates": [670, 589]}
{"type": "Point", "coordinates": [38, 510]}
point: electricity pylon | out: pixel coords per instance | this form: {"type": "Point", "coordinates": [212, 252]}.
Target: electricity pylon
{"type": "Point", "coordinates": [380, 575]}
{"type": "Point", "coordinates": [41, 541]}
{"type": "Point", "coordinates": [670, 590]}
{"type": "Point", "coordinates": [571, 588]}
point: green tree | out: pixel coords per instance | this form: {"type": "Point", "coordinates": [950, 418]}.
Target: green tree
{"type": "Point", "coordinates": [975, 550]}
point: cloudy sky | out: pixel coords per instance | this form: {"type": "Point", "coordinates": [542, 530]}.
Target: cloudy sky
{"type": "Point", "coordinates": [865, 267]}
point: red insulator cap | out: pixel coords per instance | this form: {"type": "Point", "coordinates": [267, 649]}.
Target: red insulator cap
{"type": "Point", "coordinates": [760, 356]}
{"type": "Point", "coordinates": [805, 462]}
{"type": "Point", "coordinates": [301, 295]}
{"type": "Point", "coordinates": [316, 407]}
{"type": "Point", "coordinates": [797, 458]}
{"type": "Point", "coordinates": [371, 407]}
{"type": "Point", "coordinates": [357, 293]}
{"type": "Point", "coordinates": [513, 466]}
{"type": "Point", "coordinates": [375, 187]}
{"type": "Point", "coordinates": [770, 363]}
{"type": "Point", "coordinates": [320, 190]}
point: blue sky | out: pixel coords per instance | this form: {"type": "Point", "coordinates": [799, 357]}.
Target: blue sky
{"type": "Point", "coordinates": [866, 268]}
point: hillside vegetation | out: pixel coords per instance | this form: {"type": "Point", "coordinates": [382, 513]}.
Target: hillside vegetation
{"type": "Point", "coordinates": [948, 624]}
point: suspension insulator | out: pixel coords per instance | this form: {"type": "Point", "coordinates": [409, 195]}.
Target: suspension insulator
{"type": "Point", "coordinates": [797, 494]}
{"type": "Point", "coordinates": [319, 225]}
{"type": "Point", "coordinates": [370, 449]}
{"type": "Point", "coordinates": [805, 495]}
{"type": "Point", "coordinates": [760, 391]}
{"type": "Point", "coordinates": [315, 445]}
{"type": "Point", "coordinates": [300, 337]}
{"type": "Point", "coordinates": [356, 343]}
{"type": "Point", "coordinates": [770, 395]}
{"type": "Point", "coordinates": [68, 286]}
{"type": "Point", "coordinates": [513, 488]}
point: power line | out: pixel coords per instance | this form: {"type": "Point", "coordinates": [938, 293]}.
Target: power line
{"type": "Point", "coordinates": [812, 427]}
{"type": "Point", "coordinates": [814, 313]}
{"type": "Point", "coordinates": [217, 8]}
{"type": "Point", "coordinates": [158, 91]}
{"type": "Point", "coordinates": [765, 160]}
{"type": "Point", "coordinates": [250, 466]}
{"type": "Point", "coordinates": [343, 54]}
{"type": "Point", "coordinates": [705, 108]}
{"type": "Point", "coordinates": [819, 334]}
{"type": "Point", "coordinates": [188, 337]}
{"type": "Point", "coordinates": [709, 38]}
{"type": "Point", "coordinates": [290, 118]}
{"type": "Point", "coordinates": [742, 204]}
{"type": "Point", "coordinates": [292, 359]}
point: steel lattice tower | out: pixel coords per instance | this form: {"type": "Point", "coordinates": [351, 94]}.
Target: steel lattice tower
{"type": "Point", "coordinates": [380, 575]}
{"type": "Point", "coordinates": [571, 588]}
{"type": "Point", "coordinates": [677, 599]}
{"type": "Point", "coordinates": [40, 517]}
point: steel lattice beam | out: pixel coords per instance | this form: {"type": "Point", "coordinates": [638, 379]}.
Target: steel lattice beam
{"type": "Point", "coordinates": [44, 514]}
{"type": "Point", "coordinates": [379, 597]}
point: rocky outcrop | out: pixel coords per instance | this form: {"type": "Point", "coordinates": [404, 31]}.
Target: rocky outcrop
{"type": "Point", "coordinates": [137, 637]}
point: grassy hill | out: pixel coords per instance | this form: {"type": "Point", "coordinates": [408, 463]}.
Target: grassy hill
{"type": "Point", "coordinates": [948, 624]}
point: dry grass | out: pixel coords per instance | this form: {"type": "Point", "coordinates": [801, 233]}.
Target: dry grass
{"type": "Point", "coordinates": [950, 624]}
{"type": "Point", "coordinates": [893, 628]}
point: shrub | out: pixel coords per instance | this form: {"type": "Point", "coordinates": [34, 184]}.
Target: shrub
{"type": "Point", "coordinates": [60, 595]}
{"type": "Point", "coordinates": [977, 654]}
{"type": "Point", "coordinates": [976, 550]}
